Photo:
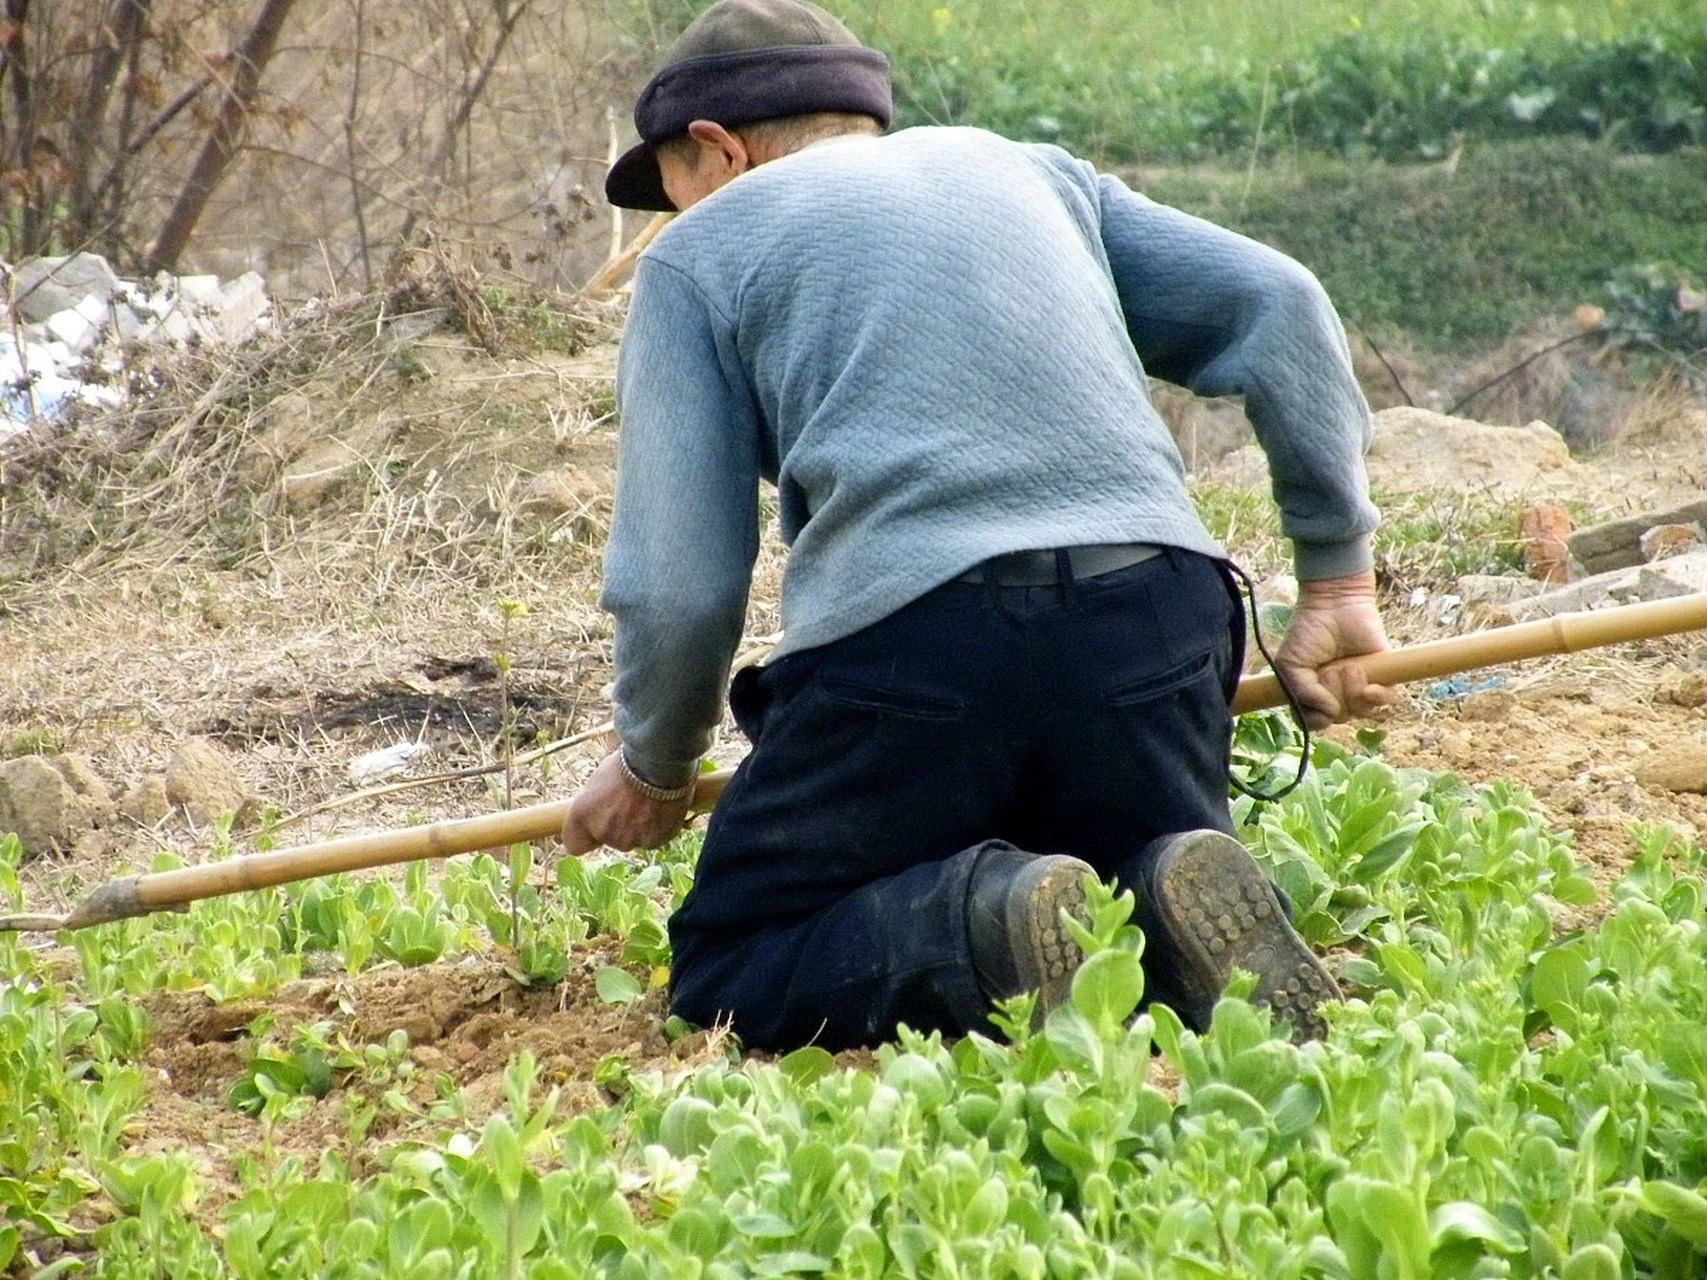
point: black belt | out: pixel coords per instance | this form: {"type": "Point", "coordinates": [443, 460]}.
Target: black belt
{"type": "Point", "coordinates": [1045, 568]}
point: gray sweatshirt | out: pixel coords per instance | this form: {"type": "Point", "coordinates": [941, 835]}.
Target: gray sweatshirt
{"type": "Point", "coordinates": [935, 344]}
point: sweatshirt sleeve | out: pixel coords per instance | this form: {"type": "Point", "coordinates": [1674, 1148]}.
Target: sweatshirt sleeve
{"type": "Point", "coordinates": [684, 531]}
{"type": "Point", "coordinates": [1222, 314]}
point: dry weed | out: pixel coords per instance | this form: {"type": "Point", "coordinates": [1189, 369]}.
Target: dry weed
{"type": "Point", "coordinates": [1573, 380]}
{"type": "Point", "coordinates": [221, 454]}
{"type": "Point", "coordinates": [284, 548]}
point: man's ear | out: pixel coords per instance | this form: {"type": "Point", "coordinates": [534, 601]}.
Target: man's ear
{"type": "Point", "coordinates": [718, 146]}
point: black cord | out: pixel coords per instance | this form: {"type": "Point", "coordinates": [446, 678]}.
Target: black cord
{"type": "Point", "coordinates": [1291, 700]}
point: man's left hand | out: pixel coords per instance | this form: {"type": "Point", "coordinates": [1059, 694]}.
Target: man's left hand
{"type": "Point", "coordinates": [608, 811]}
{"type": "Point", "coordinates": [1335, 618]}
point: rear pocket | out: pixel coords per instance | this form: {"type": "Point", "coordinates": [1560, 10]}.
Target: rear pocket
{"type": "Point", "coordinates": [1137, 692]}
{"type": "Point", "coordinates": [891, 702]}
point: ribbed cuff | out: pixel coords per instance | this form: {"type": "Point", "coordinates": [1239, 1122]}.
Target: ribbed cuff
{"type": "Point", "coordinates": [1313, 560]}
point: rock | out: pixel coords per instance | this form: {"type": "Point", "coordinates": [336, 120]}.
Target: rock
{"type": "Point", "coordinates": [201, 781]}
{"type": "Point", "coordinates": [1689, 689]}
{"type": "Point", "coordinates": [1617, 544]}
{"type": "Point", "coordinates": [1419, 451]}
{"type": "Point", "coordinates": [199, 292]}
{"type": "Point", "coordinates": [1664, 579]}
{"type": "Point", "coordinates": [79, 327]}
{"type": "Point", "coordinates": [1494, 588]}
{"type": "Point", "coordinates": [241, 305]}
{"type": "Point", "coordinates": [41, 287]}
{"type": "Point", "coordinates": [49, 802]}
{"type": "Point", "coordinates": [1681, 767]}
{"type": "Point", "coordinates": [1543, 527]}
{"type": "Point", "coordinates": [1666, 540]}
{"type": "Point", "coordinates": [74, 326]}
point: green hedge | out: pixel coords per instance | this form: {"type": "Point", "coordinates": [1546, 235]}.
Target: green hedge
{"type": "Point", "coordinates": [1161, 82]}
{"type": "Point", "coordinates": [1354, 93]}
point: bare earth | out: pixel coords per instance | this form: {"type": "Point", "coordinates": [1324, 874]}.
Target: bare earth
{"type": "Point", "coordinates": [341, 637]}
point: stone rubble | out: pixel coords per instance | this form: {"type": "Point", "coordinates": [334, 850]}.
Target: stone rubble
{"type": "Point", "coordinates": [73, 326]}
{"type": "Point", "coordinates": [1678, 575]}
{"type": "Point", "coordinates": [1626, 543]}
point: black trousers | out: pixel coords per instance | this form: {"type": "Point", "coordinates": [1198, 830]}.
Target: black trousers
{"type": "Point", "coordinates": [1086, 717]}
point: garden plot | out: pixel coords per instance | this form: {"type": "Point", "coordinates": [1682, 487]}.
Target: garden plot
{"type": "Point", "coordinates": [468, 1069]}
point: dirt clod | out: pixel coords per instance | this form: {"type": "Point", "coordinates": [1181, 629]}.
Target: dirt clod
{"type": "Point", "coordinates": [202, 781]}
{"type": "Point", "coordinates": [1682, 768]}
{"type": "Point", "coordinates": [50, 802]}
{"type": "Point", "coordinates": [1488, 705]}
{"type": "Point", "coordinates": [35, 803]}
{"type": "Point", "coordinates": [143, 800]}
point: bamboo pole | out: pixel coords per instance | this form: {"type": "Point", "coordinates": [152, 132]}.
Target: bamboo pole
{"type": "Point", "coordinates": [619, 263]}
{"type": "Point", "coordinates": [1563, 633]}
{"type": "Point", "coordinates": [161, 890]}
{"type": "Point", "coordinates": [166, 890]}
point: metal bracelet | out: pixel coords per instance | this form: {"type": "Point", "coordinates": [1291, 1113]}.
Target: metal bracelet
{"type": "Point", "coordinates": [650, 790]}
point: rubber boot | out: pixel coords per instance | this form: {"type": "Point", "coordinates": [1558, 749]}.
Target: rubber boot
{"type": "Point", "coordinates": [1019, 942]}
{"type": "Point", "coordinates": [1206, 909]}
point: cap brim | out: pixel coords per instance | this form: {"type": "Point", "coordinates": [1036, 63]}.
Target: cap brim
{"type": "Point", "coordinates": [634, 182]}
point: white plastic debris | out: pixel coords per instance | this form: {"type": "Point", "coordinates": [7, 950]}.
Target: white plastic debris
{"type": "Point", "coordinates": [387, 762]}
{"type": "Point", "coordinates": [72, 327]}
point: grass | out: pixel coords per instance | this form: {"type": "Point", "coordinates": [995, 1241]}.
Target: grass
{"type": "Point", "coordinates": [1424, 539]}
{"type": "Point", "coordinates": [1173, 82]}
{"type": "Point", "coordinates": [1463, 259]}
{"type": "Point", "coordinates": [1224, 32]}
{"type": "Point", "coordinates": [1107, 46]}
{"type": "Point", "coordinates": [1512, 187]}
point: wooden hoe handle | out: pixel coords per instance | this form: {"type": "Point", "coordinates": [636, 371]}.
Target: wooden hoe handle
{"type": "Point", "coordinates": [1563, 633]}
{"type": "Point", "coordinates": [161, 890]}
{"type": "Point", "coordinates": [139, 895]}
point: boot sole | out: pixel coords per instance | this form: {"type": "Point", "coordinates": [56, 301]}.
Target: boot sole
{"type": "Point", "coordinates": [1221, 914]}
{"type": "Point", "coordinates": [1045, 954]}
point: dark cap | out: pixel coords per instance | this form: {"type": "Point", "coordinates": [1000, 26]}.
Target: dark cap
{"type": "Point", "coordinates": [741, 61]}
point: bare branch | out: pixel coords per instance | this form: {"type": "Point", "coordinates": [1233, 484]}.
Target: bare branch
{"type": "Point", "coordinates": [507, 19]}
{"type": "Point", "coordinates": [167, 114]}
{"type": "Point", "coordinates": [118, 41]}
{"type": "Point", "coordinates": [357, 205]}
{"type": "Point", "coordinates": [224, 138]}
{"type": "Point", "coordinates": [15, 72]}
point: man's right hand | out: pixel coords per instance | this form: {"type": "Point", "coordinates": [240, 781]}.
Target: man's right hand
{"type": "Point", "coordinates": [608, 811]}
{"type": "Point", "coordinates": [1335, 618]}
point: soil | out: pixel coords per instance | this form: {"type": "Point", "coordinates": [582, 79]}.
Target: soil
{"type": "Point", "coordinates": [330, 643]}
